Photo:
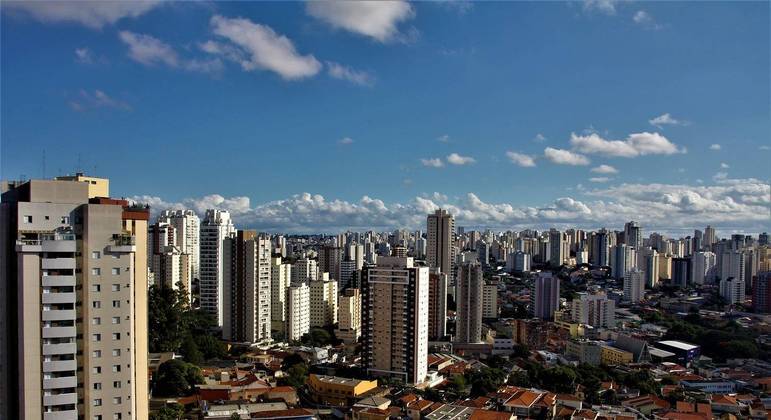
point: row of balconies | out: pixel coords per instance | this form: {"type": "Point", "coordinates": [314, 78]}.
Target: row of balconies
{"type": "Point", "coordinates": [61, 415]}
{"type": "Point", "coordinates": [59, 366]}
{"type": "Point", "coordinates": [60, 399]}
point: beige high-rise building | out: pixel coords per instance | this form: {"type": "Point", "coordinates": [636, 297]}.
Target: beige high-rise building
{"type": "Point", "coordinates": [437, 304]}
{"type": "Point", "coordinates": [73, 267]}
{"type": "Point", "coordinates": [439, 241]}
{"type": "Point", "coordinates": [280, 276]}
{"type": "Point", "coordinates": [395, 319]}
{"type": "Point", "coordinates": [186, 236]}
{"type": "Point", "coordinates": [172, 269]}
{"type": "Point", "coordinates": [323, 298]}
{"type": "Point", "coordinates": [349, 316]}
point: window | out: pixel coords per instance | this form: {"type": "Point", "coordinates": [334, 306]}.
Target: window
{"type": "Point", "coordinates": [96, 353]}
{"type": "Point", "coordinates": [96, 255]}
{"type": "Point", "coordinates": [96, 337]}
{"type": "Point", "coordinates": [116, 352]}
{"type": "Point", "coordinates": [96, 288]}
{"type": "Point", "coordinates": [115, 271]}
{"type": "Point", "coordinates": [97, 386]}
{"type": "Point", "coordinates": [96, 304]}
{"type": "Point", "coordinates": [116, 304]}
{"type": "Point", "coordinates": [96, 271]}
{"type": "Point", "coordinates": [116, 400]}
{"type": "Point", "coordinates": [116, 287]}
{"type": "Point", "coordinates": [116, 336]}
{"type": "Point", "coordinates": [65, 220]}
{"type": "Point", "coordinates": [117, 416]}
{"type": "Point", "coordinates": [116, 320]}
{"type": "Point", "coordinates": [116, 384]}
{"type": "Point", "coordinates": [96, 370]}
{"type": "Point", "coordinates": [98, 417]}
{"type": "Point", "coordinates": [116, 368]}
{"type": "Point", "coordinates": [96, 321]}
{"type": "Point", "coordinates": [47, 217]}
{"type": "Point", "coordinates": [97, 402]}
{"type": "Point", "coordinates": [27, 219]}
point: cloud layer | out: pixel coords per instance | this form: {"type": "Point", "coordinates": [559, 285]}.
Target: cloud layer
{"type": "Point", "coordinates": [730, 204]}
{"type": "Point", "coordinates": [636, 144]}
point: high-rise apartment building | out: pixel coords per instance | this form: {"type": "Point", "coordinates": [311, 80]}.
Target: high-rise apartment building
{"type": "Point", "coordinates": [437, 304]}
{"type": "Point", "coordinates": [247, 291]}
{"type": "Point", "coordinates": [634, 285]}
{"type": "Point", "coordinates": [558, 247]}
{"type": "Point", "coordinates": [732, 290]}
{"type": "Point", "coordinates": [761, 293]}
{"type": "Point", "coordinates": [709, 238]}
{"type": "Point", "coordinates": [490, 300]}
{"type": "Point", "coordinates": [470, 287]}
{"type": "Point", "coordinates": [681, 272]}
{"type": "Point", "coordinates": [215, 228]}
{"type": "Point", "coordinates": [304, 270]}
{"type": "Point", "coordinates": [703, 267]}
{"type": "Point", "coordinates": [600, 248]}
{"type": "Point", "coordinates": [593, 309]}
{"type": "Point", "coordinates": [73, 285]}
{"type": "Point", "coordinates": [395, 319]}
{"type": "Point", "coordinates": [187, 227]}
{"type": "Point", "coordinates": [633, 235]}
{"type": "Point", "coordinates": [349, 316]}
{"type": "Point", "coordinates": [622, 259]}
{"type": "Point", "coordinates": [297, 311]}
{"type": "Point", "coordinates": [323, 301]}
{"type": "Point", "coordinates": [439, 239]}
{"type": "Point", "coordinates": [172, 269]}
{"type": "Point", "coordinates": [330, 258]}
{"type": "Point", "coordinates": [280, 278]}
{"type": "Point", "coordinates": [732, 264]}
{"type": "Point", "coordinates": [544, 295]}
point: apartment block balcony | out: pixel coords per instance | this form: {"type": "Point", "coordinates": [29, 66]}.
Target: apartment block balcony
{"type": "Point", "coordinates": [58, 264]}
{"type": "Point", "coordinates": [58, 332]}
{"type": "Point", "coordinates": [64, 348]}
{"type": "Point", "coordinates": [123, 243]}
{"type": "Point", "coordinates": [61, 415]}
{"type": "Point", "coordinates": [50, 298]}
{"type": "Point", "coordinates": [56, 280]}
{"type": "Point", "coordinates": [60, 399]}
{"type": "Point", "coordinates": [49, 242]}
{"type": "Point", "coordinates": [58, 315]}
{"type": "Point", "coordinates": [63, 382]}
{"type": "Point", "coordinates": [60, 366]}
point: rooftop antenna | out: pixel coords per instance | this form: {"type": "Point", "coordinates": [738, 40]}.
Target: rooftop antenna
{"type": "Point", "coordinates": [78, 168]}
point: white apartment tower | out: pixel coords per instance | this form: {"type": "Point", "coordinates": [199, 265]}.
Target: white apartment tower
{"type": "Point", "coordinates": [297, 311]}
{"type": "Point", "coordinates": [634, 285]}
{"type": "Point", "coordinates": [216, 227]}
{"type": "Point", "coordinates": [395, 319]}
{"type": "Point", "coordinates": [593, 309]}
{"type": "Point", "coordinates": [187, 235]}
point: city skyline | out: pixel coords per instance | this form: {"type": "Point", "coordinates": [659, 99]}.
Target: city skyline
{"type": "Point", "coordinates": [591, 118]}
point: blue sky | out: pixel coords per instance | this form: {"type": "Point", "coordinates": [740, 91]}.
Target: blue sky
{"type": "Point", "coordinates": [266, 101]}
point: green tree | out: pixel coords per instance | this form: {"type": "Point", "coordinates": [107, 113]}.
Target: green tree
{"type": "Point", "coordinates": [485, 381]}
{"type": "Point", "coordinates": [210, 347]}
{"type": "Point", "coordinates": [176, 378]}
{"type": "Point", "coordinates": [167, 319]}
{"type": "Point", "coordinates": [296, 375]}
{"type": "Point", "coordinates": [190, 351]}
{"type": "Point", "coordinates": [168, 412]}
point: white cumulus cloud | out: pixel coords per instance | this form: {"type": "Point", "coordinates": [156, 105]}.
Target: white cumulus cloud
{"type": "Point", "coordinates": [151, 51]}
{"type": "Point", "coordinates": [256, 46]}
{"type": "Point", "coordinates": [636, 144]}
{"type": "Point", "coordinates": [665, 119]}
{"type": "Point", "coordinates": [432, 162]}
{"type": "Point", "coordinates": [378, 20]}
{"type": "Point", "coordinates": [519, 159]}
{"type": "Point", "coordinates": [605, 169]}
{"type": "Point", "coordinates": [457, 159]}
{"type": "Point", "coordinates": [715, 146]}
{"type": "Point", "coordinates": [565, 157]}
{"type": "Point", "coordinates": [342, 72]}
